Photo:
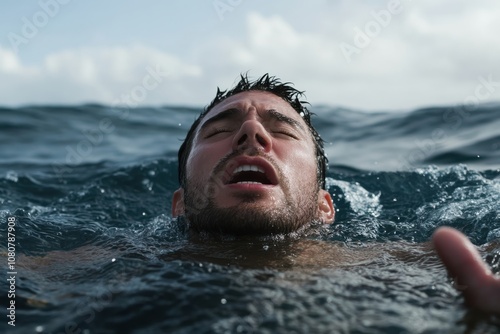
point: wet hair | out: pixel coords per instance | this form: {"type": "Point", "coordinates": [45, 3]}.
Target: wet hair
{"type": "Point", "coordinates": [265, 83]}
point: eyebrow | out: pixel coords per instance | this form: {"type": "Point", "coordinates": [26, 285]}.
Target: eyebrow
{"type": "Point", "coordinates": [283, 118]}
{"type": "Point", "coordinates": [229, 114]}
{"type": "Point", "coordinates": [233, 113]}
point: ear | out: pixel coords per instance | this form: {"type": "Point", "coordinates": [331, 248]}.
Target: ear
{"type": "Point", "coordinates": [178, 203]}
{"type": "Point", "coordinates": [326, 211]}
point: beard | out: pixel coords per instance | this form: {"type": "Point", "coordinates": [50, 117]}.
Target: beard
{"type": "Point", "coordinates": [250, 216]}
{"type": "Point", "coordinates": [248, 220]}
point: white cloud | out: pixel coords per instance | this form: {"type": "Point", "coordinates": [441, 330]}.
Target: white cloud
{"type": "Point", "coordinates": [417, 60]}
{"type": "Point", "coordinates": [430, 53]}
{"type": "Point", "coordinates": [10, 62]}
{"type": "Point", "coordinates": [92, 75]}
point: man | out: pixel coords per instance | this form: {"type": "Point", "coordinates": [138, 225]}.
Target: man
{"type": "Point", "coordinates": [252, 164]}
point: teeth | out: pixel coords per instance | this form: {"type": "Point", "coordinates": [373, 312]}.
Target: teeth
{"type": "Point", "coordinates": [247, 168]}
{"type": "Point", "coordinates": [248, 182]}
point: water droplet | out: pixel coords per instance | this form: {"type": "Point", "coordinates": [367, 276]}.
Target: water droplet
{"type": "Point", "coordinates": [144, 213]}
{"type": "Point", "coordinates": [113, 260]}
{"type": "Point", "coordinates": [302, 114]}
{"type": "Point", "coordinates": [148, 184]}
{"type": "Point", "coordinates": [102, 191]}
{"type": "Point", "coordinates": [478, 156]}
{"type": "Point", "coordinates": [180, 124]}
{"type": "Point", "coordinates": [394, 199]}
{"type": "Point", "coordinates": [223, 301]}
{"type": "Point", "coordinates": [265, 247]}
{"type": "Point", "coordinates": [39, 329]}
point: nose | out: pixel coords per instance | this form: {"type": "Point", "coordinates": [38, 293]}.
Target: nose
{"type": "Point", "coordinates": [252, 134]}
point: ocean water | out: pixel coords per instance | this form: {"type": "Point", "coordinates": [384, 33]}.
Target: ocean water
{"type": "Point", "coordinates": [97, 251]}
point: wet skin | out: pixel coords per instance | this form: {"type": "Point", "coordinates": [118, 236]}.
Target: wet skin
{"type": "Point", "coordinates": [261, 130]}
{"type": "Point", "coordinates": [245, 121]}
{"type": "Point", "coordinates": [480, 287]}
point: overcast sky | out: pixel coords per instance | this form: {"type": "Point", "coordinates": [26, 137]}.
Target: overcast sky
{"type": "Point", "coordinates": [369, 55]}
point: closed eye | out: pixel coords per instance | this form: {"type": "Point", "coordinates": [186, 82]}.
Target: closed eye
{"type": "Point", "coordinates": [217, 131]}
{"type": "Point", "coordinates": [285, 133]}
{"type": "Point", "coordinates": [284, 130]}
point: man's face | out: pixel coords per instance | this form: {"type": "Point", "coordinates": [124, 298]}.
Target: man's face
{"type": "Point", "coordinates": [252, 169]}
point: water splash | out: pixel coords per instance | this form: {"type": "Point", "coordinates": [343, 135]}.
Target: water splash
{"type": "Point", "coordinates": [361, 201]}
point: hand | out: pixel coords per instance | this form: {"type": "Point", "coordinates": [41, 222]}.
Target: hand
{"type": "Point", "coordinates": [480, 287]}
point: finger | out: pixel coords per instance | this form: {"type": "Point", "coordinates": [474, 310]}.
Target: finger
{"type": "Point", "coordinates": [480, 288]}
{"type": "Point", "coordinates": [460, 256]}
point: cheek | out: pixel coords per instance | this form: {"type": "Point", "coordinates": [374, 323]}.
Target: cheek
{"type": "Point", "coordinates": [201, 162]}
{"type": "Point", "coordinates": [300, 166]}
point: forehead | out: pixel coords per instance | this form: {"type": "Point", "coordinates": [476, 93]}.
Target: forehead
{"type": "Point", "coordinates": [260, 100]}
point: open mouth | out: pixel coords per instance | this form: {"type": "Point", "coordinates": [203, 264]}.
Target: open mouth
{"type": "Point", "coordinates": [249, 174]}
{"type": "Point", "coordinates": [252, 171]}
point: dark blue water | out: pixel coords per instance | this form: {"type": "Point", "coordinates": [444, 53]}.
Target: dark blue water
{"type": "Point", "coordinates": [97, 251]}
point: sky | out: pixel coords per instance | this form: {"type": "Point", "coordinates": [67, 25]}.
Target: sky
{"type": "Point", "coordinates": [366, 55]}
